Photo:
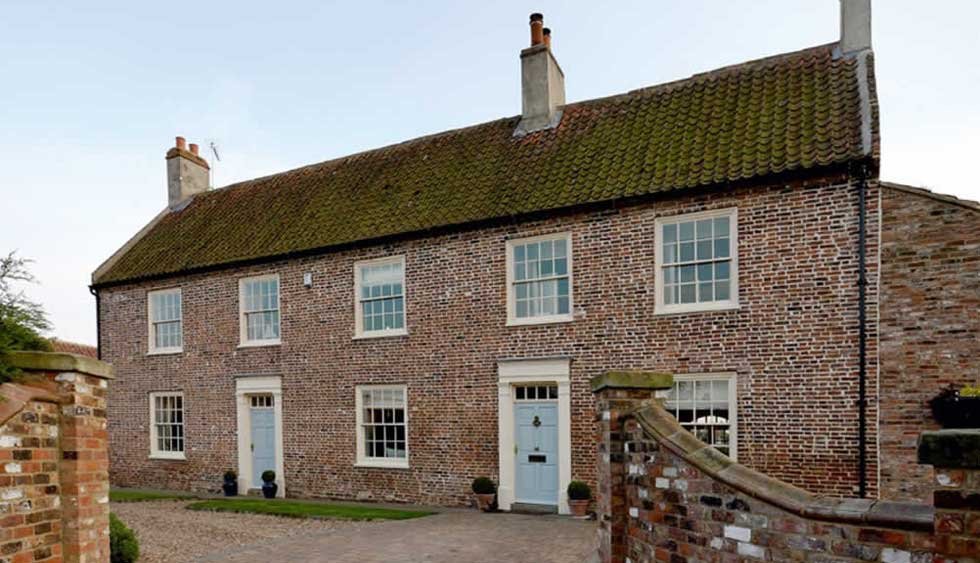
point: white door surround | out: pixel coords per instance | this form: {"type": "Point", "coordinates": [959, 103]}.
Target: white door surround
{"type": "Point", "coordinates": [245, 387]}
{"type": "Point", "coordinates": [555, 371]}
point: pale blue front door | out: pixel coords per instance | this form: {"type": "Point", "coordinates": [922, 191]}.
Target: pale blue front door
{"type": "Point", "coordinates": [263, 442]}
{"type": "Point", "coordinates": [536, 425]}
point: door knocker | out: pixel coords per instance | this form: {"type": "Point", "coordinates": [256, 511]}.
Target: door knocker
{"type": "Point", "coordinates": [536, 422]}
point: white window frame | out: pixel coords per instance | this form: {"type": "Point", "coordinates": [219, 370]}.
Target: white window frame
{"type": "Point", "coordinates": [359, 331]}
{"type": "Point", "coordinates": [244, 342]}
{"type": "Point", "coordinates": [155, 452]}
{"type": "Point", "coordinates": [151, 342]}
{"type": "Point", "coordinates": [362, 460]}
{"type": "Point", "coordinates": [732, 379]}
{"type": "Point", "coordinates": [660, 308]}
{"type": "Point", "coordinates": [512, 318]}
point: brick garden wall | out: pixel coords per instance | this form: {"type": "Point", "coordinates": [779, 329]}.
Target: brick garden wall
{"type": "Point", "coordinates": [54, 483]}
{"type": "Point", "coordinates": [930, 323]}
{"type": "Point", "coordinates": [792, 344]}
{"type": "Point", "coordinates": [664, 496]}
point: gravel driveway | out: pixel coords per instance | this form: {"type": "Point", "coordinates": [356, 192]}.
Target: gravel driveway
{"type": "Point", "coordinates": [169, 533]}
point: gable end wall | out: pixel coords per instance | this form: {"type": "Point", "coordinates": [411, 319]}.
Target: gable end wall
{"type": "Point", "coordinates": [930, 324]}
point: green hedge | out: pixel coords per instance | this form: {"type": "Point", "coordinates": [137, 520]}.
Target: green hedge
{"type": "Point", "coordinates": [123, 545]}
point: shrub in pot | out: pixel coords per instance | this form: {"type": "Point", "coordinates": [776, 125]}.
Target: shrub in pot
{"type": "Point", "coordinates": [485, 491]}
{"type": "Point", "coordinates": [579, 496]}
{"type": "Point", "coordinates": [957, 407]}
{"type": "Point", "coordinates": [269, 486]}
{"type": "Point", "coordinates": [123, 545]}
{"type": "Point", "coordinates": [230, 484]}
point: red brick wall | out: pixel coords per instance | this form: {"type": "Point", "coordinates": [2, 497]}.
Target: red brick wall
{"type": "Point", "coordinates": [54, 481]}
{"type": "Point", "coordinates": [930, 325]}
{"type": "Point", "coordinates": [30, 514]}
{"type": "Point", "coordinates": [793, 344]}
{"type": "Point", "coordinates": [662, 498]}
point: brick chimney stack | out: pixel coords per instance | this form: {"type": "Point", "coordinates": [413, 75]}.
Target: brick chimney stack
{"type": "Point", "coordinates": [855, 26]}
{"type": "Point", "coordinates": [542, 82]}
{"type": "Point", "coordinates": [187, 173]}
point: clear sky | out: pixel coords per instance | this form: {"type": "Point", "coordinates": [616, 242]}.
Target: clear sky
{"type": "Point", "coordinates": [92, 94]}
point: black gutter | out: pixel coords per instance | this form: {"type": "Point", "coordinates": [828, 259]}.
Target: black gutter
{"type": "Point", "coordinates": [862, 335]}
{"type": "Point", "coordinates": [98, 322]}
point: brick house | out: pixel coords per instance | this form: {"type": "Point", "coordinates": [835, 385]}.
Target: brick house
{"type": "Point", "coordinates": [391, 324]}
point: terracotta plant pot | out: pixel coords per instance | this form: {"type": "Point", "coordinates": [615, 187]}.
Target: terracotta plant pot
{"type": "Point", "coordinates": [580, 508]}
{"type": "Point", "coordinates": [484, 502]}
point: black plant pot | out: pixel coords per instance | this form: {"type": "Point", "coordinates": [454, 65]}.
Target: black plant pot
{"type": "Point", "coordinates": [230, 488]}
{"type": "Point", "coordinates": [269, 489]}
{"type": "Point", "coordinates": [952, 411]}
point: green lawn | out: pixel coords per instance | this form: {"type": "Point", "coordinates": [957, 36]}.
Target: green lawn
{"type": "Point", "coordinates": [296, 509]}
{"type": "Point", "coordinates": [140, 496]}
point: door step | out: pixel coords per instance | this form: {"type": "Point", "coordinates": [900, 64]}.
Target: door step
{"type": "Point", "coordinates": [528, 508]}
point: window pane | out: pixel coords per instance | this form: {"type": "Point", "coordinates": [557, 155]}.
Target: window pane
{"type": "Point", "coordinates": [706, 292]}
{"type": "Point", "coordinates": [722, 292]}
{"type": "Point", "coordinates": [561, 266]}
{"type": "Point", "coordinates": [670, 233]}
{"type": "Point", "coordinates": [687, 252]}
{"type": "Point", "coordinates": [704, 249]}
{"type": "Point", "coordinates": [722, 248]}
{"type": "Point", "coordinates": [686, 231]}
{"type": "Point", "coordinates": [721, 227]}
{"type": "Point", "coordinates": [704, 229]}
{"type": "Point", "coordinates": [560, 248]}
{"type": "Point", "coordinates": [722, 270]}
{"type": "Point", "coordinates": [687, 273]}
{"type": "Point", "coordinates": [688, 293]}
{"type": "Point", "coordinates": [705, 272]}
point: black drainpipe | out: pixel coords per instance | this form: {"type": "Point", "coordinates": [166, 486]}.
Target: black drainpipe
{"type": "Point", "coordinates": [862, 336]}
{"type": "Point", "coordinates": [98, 322]}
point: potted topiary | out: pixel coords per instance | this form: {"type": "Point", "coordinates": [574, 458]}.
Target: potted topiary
{"type": "Point", "coordinates": [269, 486]}
{"type": "Point", "coordinates": [579, 496]}
{"type": "Point", "coordinates": [230, 486]}
{"type": "Point", "coordinates": [485, 491]}
{"type": "Point", "coordinates": [957, 407]}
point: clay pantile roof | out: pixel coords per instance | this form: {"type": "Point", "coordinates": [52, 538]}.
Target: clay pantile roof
{"type": "Point", "coordinates": [74, 348]}
{"type": "Point", "coordinates": [789, 113]}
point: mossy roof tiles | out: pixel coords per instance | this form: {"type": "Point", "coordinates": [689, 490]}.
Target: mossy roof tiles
{"type": "Point", "coordinates": [787, 113]}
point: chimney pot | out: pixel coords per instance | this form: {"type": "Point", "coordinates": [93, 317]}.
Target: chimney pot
{"type": "Point", "coordinates": [542, 82]}
{"type": "Point", "coordinates": [187, 174]}
{"type": "Point", "coordinates": [537, 31]}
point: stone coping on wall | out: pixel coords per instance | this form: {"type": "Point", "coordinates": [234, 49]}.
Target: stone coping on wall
{"type": "Point", "coordinates": [632, 379]}
{"type": "Point", "coordinates": [950, 449]}
{"type": "Point", "coordinates": [13, 396]}
{"type": "Point", "coordinates": [60, 361]}
{"type": "Point", "coordinates": [660, 424]}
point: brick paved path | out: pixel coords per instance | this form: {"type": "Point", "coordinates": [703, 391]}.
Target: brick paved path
{"type": "Point", "coordinates": [454, 536]}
